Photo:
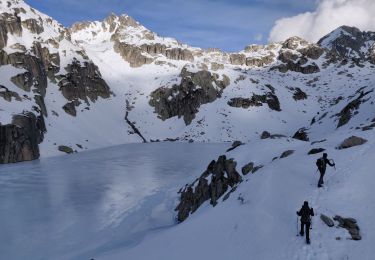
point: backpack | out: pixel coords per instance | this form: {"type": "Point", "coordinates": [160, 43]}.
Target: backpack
{"type": "Point", "coordinates": [320, 163]}
{"type": "Point", "coordinates": [305, 214]}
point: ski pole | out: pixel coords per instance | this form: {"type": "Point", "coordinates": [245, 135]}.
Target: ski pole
{"type": "Point", "coordinates": [333, 162]}
{"type": "Point", "coordinates": [297, 225]}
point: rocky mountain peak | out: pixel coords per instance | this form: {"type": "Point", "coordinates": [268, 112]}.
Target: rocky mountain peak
{"type": "Point", "coordinates": [294, 43]}
{"type": "Point", "coordinates": [349, 42]}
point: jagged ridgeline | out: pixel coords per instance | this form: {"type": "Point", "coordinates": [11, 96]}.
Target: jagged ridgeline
{"type": "Point", "coordinates": [110, 82]}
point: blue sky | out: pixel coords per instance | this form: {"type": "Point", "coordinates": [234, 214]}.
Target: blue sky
{"type": "Point", "coordinates": [226, 24]}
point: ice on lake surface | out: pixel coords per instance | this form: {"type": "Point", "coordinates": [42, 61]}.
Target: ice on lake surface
{"type": "Point", "coordinates": [72, 207]}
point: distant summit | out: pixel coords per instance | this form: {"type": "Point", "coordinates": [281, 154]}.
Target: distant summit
{"type": "Point", "coordinates": [349, 42]}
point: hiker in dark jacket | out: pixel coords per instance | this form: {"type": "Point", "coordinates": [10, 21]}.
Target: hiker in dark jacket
{"type": "Point", "coordinates": [322, 166]}
{"type": "Point", "coordinates": [305, 213]}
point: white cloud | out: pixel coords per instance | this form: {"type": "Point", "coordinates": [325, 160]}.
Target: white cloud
{"type": "Point", "coordinates": [328, 15]}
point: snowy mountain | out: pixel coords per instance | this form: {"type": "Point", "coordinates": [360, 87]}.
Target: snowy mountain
{"type": "Point", "coordinates": [142, 87]}
{"type": "Point", "coordinates": [104, 83]}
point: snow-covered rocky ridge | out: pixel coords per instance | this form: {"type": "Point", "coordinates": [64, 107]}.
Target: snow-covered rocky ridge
{"type": "Point", "coordinates": [99, 84]}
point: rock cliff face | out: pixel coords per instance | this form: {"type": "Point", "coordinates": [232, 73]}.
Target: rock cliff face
{"type": "Point", "coordinates": [37, 57]}
{"type": "Point", "coordinates": [184, 99]}
{"type": "Point", "coordinates": [297, 55]}
{"type": "Point", "coordinates": [347, 112]}
{"type": "Point", "coordinates": [19, 140]}
{"type": "Point", "coordinates": [82, 83]}
{"type": "Point", "coordinates": [146, 53]}
{"type": "Point", "coordinates": [220, 176]}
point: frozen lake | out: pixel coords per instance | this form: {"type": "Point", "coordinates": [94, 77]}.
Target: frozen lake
{"type": "Point", "coordinates": [74, 207]}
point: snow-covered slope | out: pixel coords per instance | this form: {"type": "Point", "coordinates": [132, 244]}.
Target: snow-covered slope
{"type": "Point", "coordinates": [259, 221]}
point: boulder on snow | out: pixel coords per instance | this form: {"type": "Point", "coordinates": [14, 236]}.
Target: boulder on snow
{"type": "Point", "coordinates": [349, 224]}
{"type": "Point", "coordinates": [327, 220]}
{"type": "Point", "coordinates": [299, 94]}
{"type": "Point", "coordinates": [247, 168]}
{"type": "Point", "coordinates": [301, 134]}
{"type": "Point", "coordinates": [286, 153]}
{"type": "Point", "coordinates": [316, 150]}
{"type": "Point", "coordinates": [65, 149]}
{"type": "Point", "coordinates": [257, 168]}
{"type": "Point", "coordinates": [235, 144]}
{"type": "Point", "coordinates": [265, 135]}
{"type": "Point", "coordinates": [351, 141]}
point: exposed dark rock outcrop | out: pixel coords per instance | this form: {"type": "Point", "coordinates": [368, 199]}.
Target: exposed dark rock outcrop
{"type": "Point", "coordinates": [265, 135]}
{"type": "Point", "coordinates": [302, 135]}
{"type": "Point", "coordinates": [220, 176]}
{"type": "Point", "coordinates": [8, 95]}
{"type": "Point", "coordinates": [351, 225]}
{"type": "Point", "coordinates": [133, 127]}
{"type": "Point", "coordinates": [170, 53]}
{"type": "Point", "coordinates": [19, 141]}
{"type": "Point", "coordinates": [33, 25]}
{"type": "Point", "coordinates": [36, 72]}
{"type": "Point", "coordinates": [312, 52]}
{"type": "Point", "coordinates": [257, 168]}
{"type": "Point", "coordinates": [296, 54]}
{"type": "Point", "coordinates": [349, 42]}
{"type": "Point", "coordinates": [299, 94]}
{"type": "Point", "coordinates": [65, 149]}
{"type": "Point", "coordinates": [247, 168]}
{"type": "Point", "coordinates": [351, 141]}
{"type": "Point", "coordinates": [9, 23]}
{"type": "Point", "coordinates": [298, 66]}
{"type": "Point", "coordinates": [257, 100]}
{"type": "Point", "coordinates": [137, 55]}
{"type": "Point", "coordinates": [23, 81]}
{"type": "Point", "coordinates": [347, 112]}
{"type": "Point", "coordinates": [70, 108]}
{"type": "Point", "coordinates": [217, 66]}
{"type": "Point", "coordinates": [294, 42]}
{"type": "Point", "coordinates": [316, 150]}
{"type": "Point", "coordinates": [327, 220]}
{"type": "Point", "coordinates": [237, 59]}
{"type": "Point", "coordinates": [368, 127]}
{"type": "Point", "coordinates": [260, 61]}
{"type": "Point", "coordinates": [131, 53]}
{"type": "Point", "coordinates": [82, 83]}
{"type": "Point", "coordinates": [235, 144]}
{"type": "Point", "coordinates": [184, 99]}
{"type": "Point", "coordinates": [286, 154]}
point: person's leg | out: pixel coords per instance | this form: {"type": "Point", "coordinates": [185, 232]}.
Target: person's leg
{"type": "Point", "coordinates": [307, 225]}
{"type": "Point", "coordinates": [302, 226]}
{"type": "Point", "coordinates": [320, 182]}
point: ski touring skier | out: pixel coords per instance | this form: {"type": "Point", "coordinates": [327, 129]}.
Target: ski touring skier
{"type": "Point", "coordinates": [321, 163]}
{"type": "Point", "coordinates": [305, 213]}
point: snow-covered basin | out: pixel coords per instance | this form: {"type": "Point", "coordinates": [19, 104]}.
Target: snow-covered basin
{"type": "Point", "coordinates": [72, 207]}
